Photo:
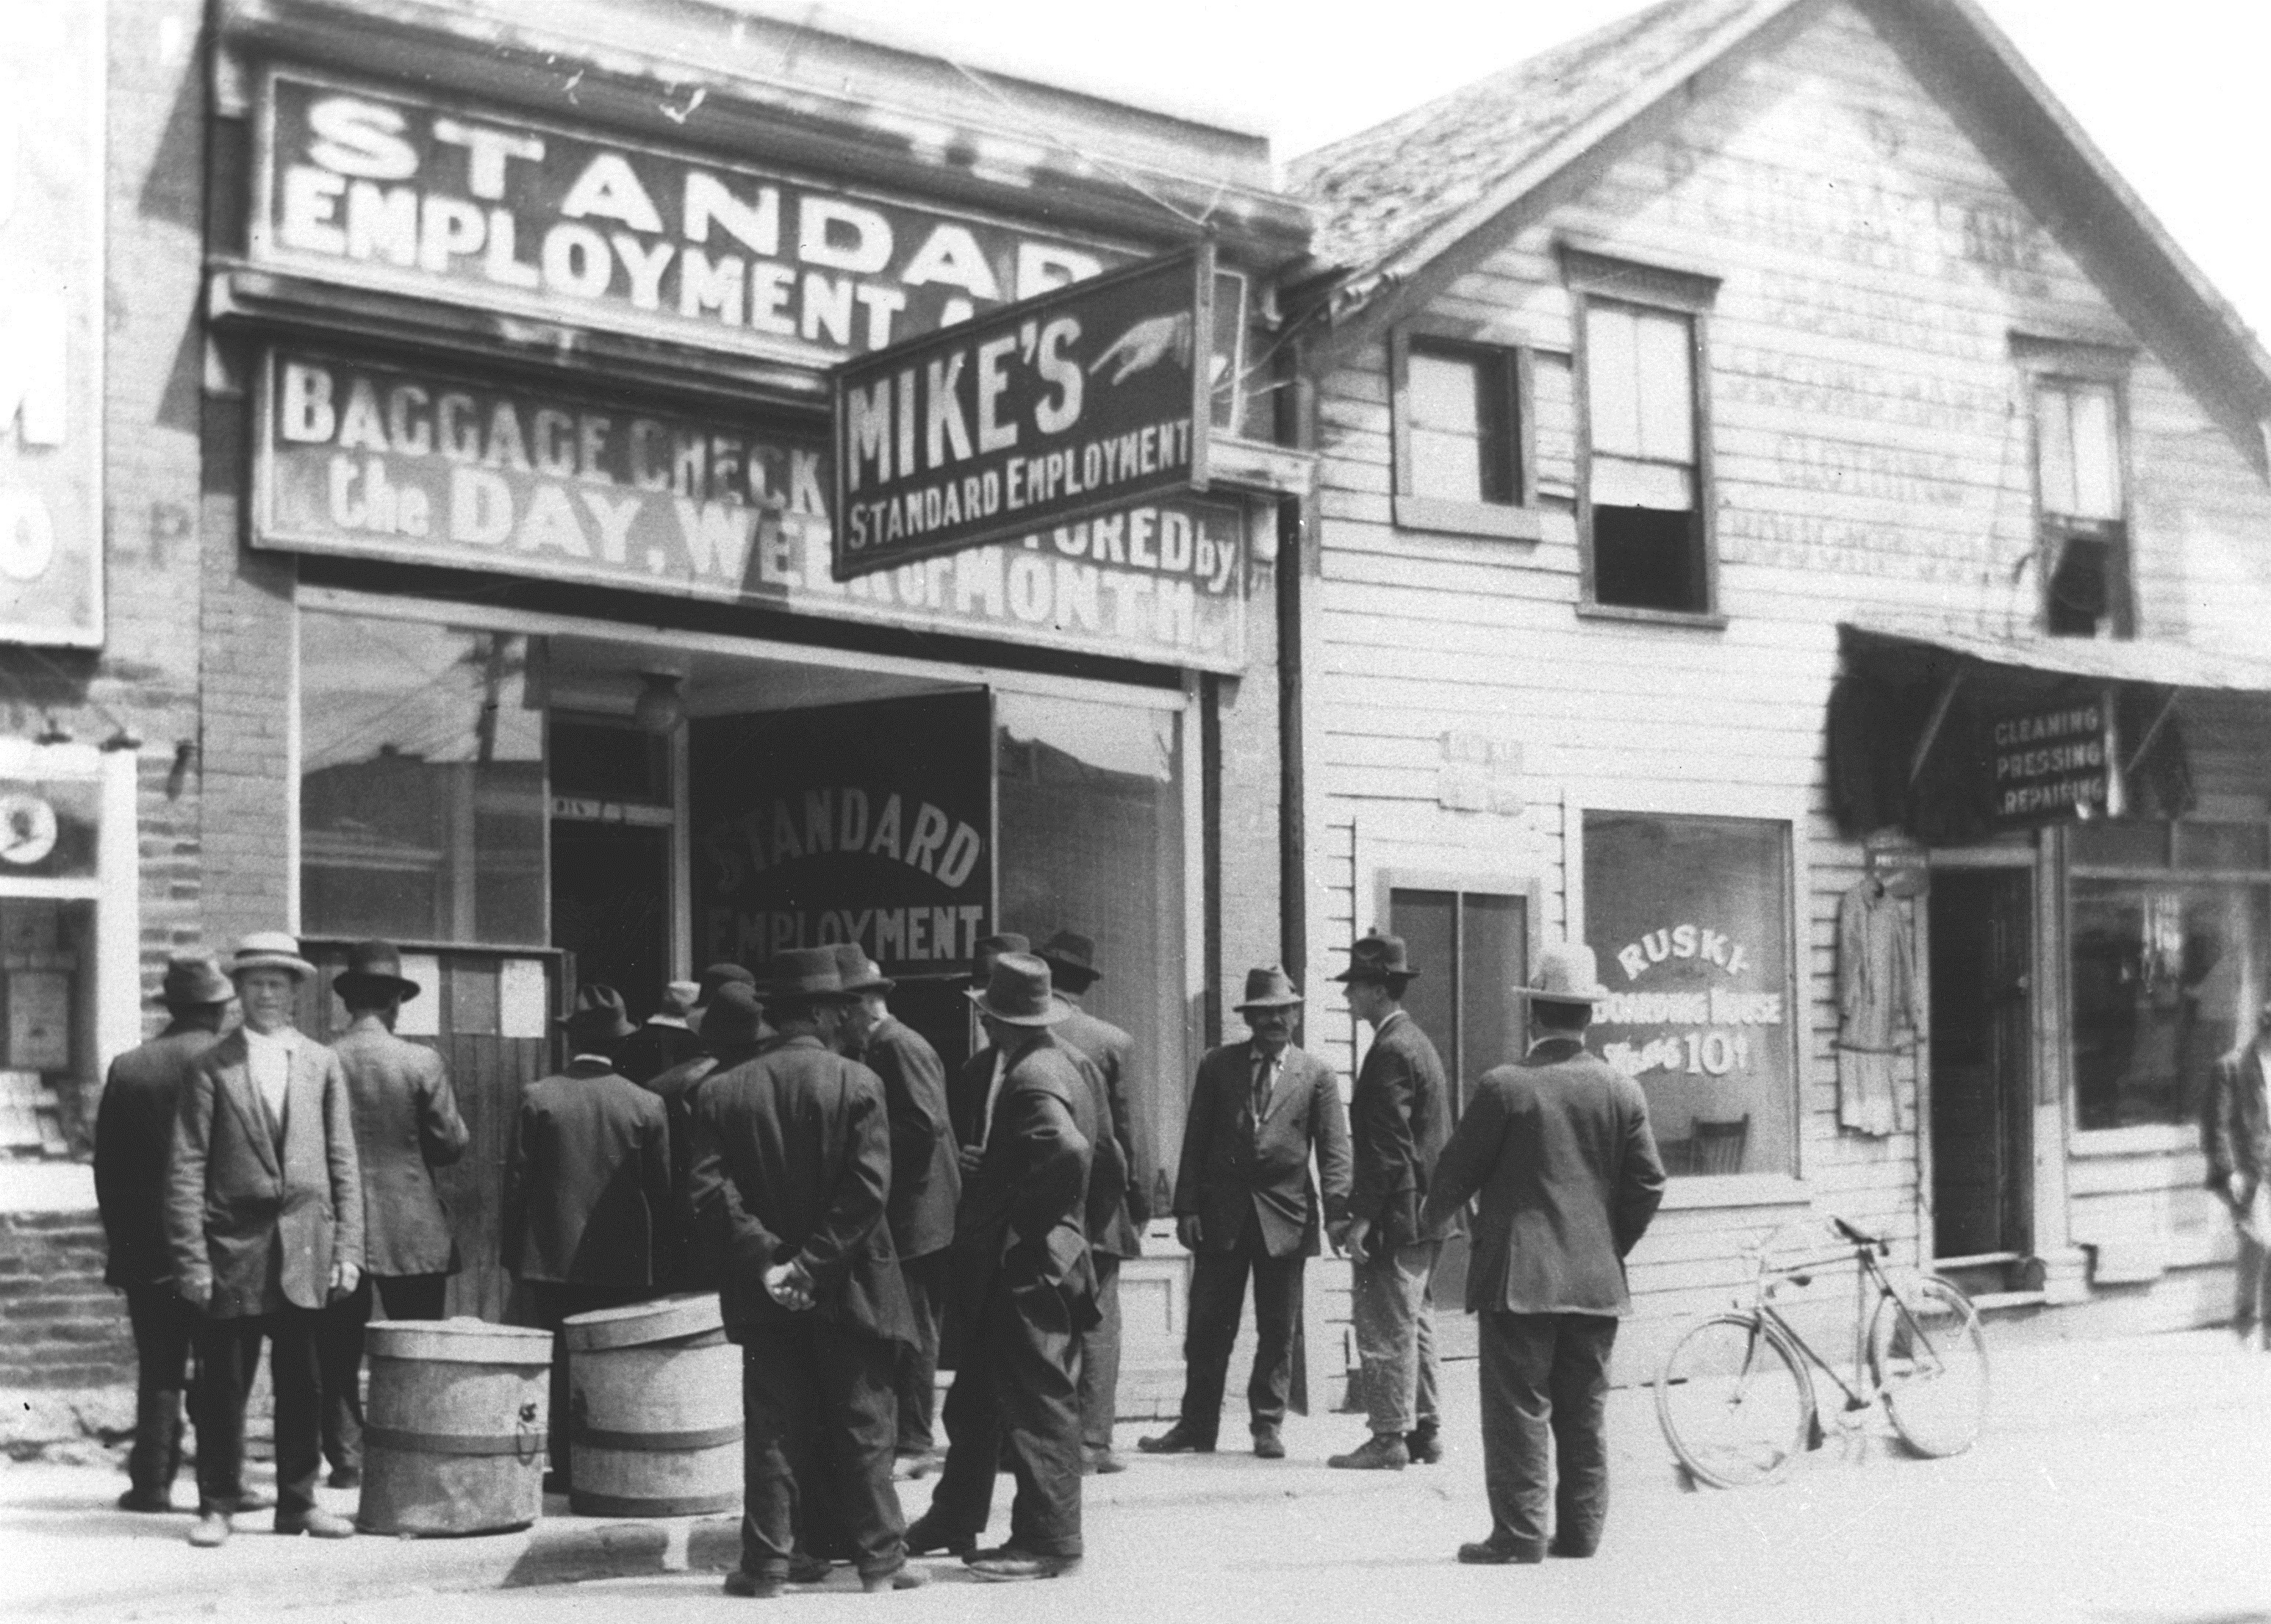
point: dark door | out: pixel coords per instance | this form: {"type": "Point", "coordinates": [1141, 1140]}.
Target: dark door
{"type": "Point", "coordinates": [1982, 1142]}
{"type": "Point", "coordinates": [611, 907]}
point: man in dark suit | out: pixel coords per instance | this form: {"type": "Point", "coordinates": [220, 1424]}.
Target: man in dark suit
{"type": "Point", "coordinates": [969, 1089]}
{"type": "Point", "coordinates": [665, 1038]}
{"type": "Point", "coordinates": [1399, 1115]}
{"type": "Point", "coordinates": [1118, 1195]}
{"type": "Point", "coordinates": [1245, 1204]}
{"type": "Point", "coordinates": [926, 1187]}
{"type": "Point", "coordinates": [1558, 1147]}
{"type": "Point", "coordinates": [1023, 1293]}
{"type": "Point", "coordinates": [133, 1135]}
{"type": "Point", "coordinates": [2235, 1134]}
{"type": "Point", "coordinates": [792, 1163]}
{"type": "Point", "coordinates": [587, 1191]}
{"type": "Point", "coordinates": [264, 1218]}
{"type": "Point", "coordinates": [732, 1029]}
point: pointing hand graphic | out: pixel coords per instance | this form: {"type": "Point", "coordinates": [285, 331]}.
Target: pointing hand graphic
{"type": "Point", "coordinates": [1147, 344]}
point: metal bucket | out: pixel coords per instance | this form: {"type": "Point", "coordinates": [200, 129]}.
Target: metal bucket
{"type": "Point", "coordinates": [655, 1409]}
{"type": "Point", "coordinates": [454, 1428]}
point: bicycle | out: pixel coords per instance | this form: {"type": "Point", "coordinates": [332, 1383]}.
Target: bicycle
{"type": "Point", "coordinates": [1737, 1401]}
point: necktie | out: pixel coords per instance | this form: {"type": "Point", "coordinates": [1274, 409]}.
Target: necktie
{"type": "Point", "coordinates": [1265, 1068]}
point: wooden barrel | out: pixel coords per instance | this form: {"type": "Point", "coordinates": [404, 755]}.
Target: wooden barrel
{"type": "Point", "coordinates": [656, 1410]}
{"type": "Point", "coordinates": [454, 1429]}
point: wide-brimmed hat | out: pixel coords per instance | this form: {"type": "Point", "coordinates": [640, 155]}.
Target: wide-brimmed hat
{"type": "Point", "coordinates": [1071, 956]}
{"type": "Point", "coordinates": [801, 976]}
{"type": "Point", "coordinates": [1018, 993]}
{"type": "Point", "coordinates": [859, 972]}
{"type": "Point", "coordinates": [994, 946]}
{"type": "Point", "coordinates": [374, 966]}
{"type": "Point", "coordinates": [193, 980]}
{"type": "Point", "coordinates": [599, 1016]}
{"type": "Point", "coordinates": [1566, 972]}
{"type": "Point", "coordinates": [270, 949]}
{"type": "Point", "coordinates": [1269, 988]}
{"type": "Point", "coordinates": [733, 1019]}
{"type": "Point", "coordinates": [723, 973]}
{"type": "Point", "coordinates": [1376, 958]}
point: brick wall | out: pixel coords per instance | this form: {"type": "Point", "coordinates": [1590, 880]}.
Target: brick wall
{"type": "Point", "coordinates": [60, 1325]}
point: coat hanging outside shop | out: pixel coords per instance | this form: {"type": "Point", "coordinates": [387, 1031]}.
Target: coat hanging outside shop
{"type": "Point", "coordinates": [1876, 1005]}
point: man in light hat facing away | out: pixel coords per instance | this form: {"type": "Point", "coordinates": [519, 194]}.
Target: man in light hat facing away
{"type": "Point", "coordinates": [407, 1125]}
{"type": "Point", "coordinates": [665, 1038]}
{"type": "Point", "coordinates": [1023, 1293]}
{"type": "Point", "coordinates": [263, 1215]}
{"type": "Point", "coordinates": [732, 1029]}
{"type": "Point", "coordinates": [587, 1190]}
{"type": "Point", "coordinates": [133, 1135]}
{"type": "Point", "coordinates": [1558, 1147]}
{"type": "Point", "coordinates": [1245, 1204]}
{"type": "Point", "coordinates": [1399, 1115]}
{"type": "Point", "coordinates": [792, 1161]}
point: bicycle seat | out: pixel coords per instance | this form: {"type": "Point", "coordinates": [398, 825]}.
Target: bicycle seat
{"type": "Point", "coordinates": [1859, 1236]}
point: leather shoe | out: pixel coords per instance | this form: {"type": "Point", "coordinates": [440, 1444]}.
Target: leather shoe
{"type": "Point", "coordinates": [1268, 1444]}
{"type": "Point", "coordinates": [1100, 1463]}
{"type": "Point", "coordinates": [899, 1578]}
{"type": "Point", "coordinates": [926, 1537]}
{"type": "Point", "coordinates": [255, 1500]}
{"type": "Point", "coordinates": [345, 1477]}
{"type": "Point", "coordinates": [211, 1528]}
{"type": "Point", "coordinates": [1177, 1440]}
{"type": "Point", "coordinates": [1383, 1452]}
{"type": "Point", "coordinates": [315, 1523]}
{"type": "Point", "coordinates": [1570, 1548]}
{"type": "Point", "coordinates": [1484, 1553]}
{"type": "Point", "coordinates": [147, 1500]}
{"type": "Point", "coordinates": [1008, 1564]}
{"type": "Point", "coordinates": [806, 1568]}
{"type": "Point", "coordinates": [1423, 1446]}
{"type": "Point", "coordinates": [762, 1586]}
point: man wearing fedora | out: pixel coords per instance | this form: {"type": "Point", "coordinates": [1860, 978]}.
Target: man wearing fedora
{"type": "Point", "coordinates": [1557, 1145]}
{"type": "Point", "coordinates": [1245, 1204]}
{"type": "Point", "coordinates": [665, 1038]}
{"type": "Point", "coordinates": [732, 1029]}
{"type": "Point", "coordinates": [587, 1190]}
{"type": "Point", "coordinates": [792, 1164]}
{"type": "Point", "coordinates": [1118, 1195]}
{"type": "Point", "coordinates": [1399, 1115]}
{"type": "Point", "coordinates": [133, 1135]}
{"type": "Point", "coordinates": [1023, 1293]}
{"type": "Point", "coordinates": [263, 1217]}
{"type": "Point", "coordinates": [926, 1187]}
{"type": "Point", "coordinates": [971, 1087]}
{"type": "Point", "coordinates": [722, 975]}
{"type": "Point", "coordinates": [407, 1125]}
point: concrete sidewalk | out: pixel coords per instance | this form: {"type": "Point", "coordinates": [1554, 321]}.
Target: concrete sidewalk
{"type": "Point", "coordinates": [68, 1553]}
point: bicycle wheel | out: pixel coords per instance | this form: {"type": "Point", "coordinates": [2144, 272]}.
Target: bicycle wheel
{"type": "Point", "coordinates": [1930, 1360]}
{"type": "Point", "coordinates": [1735, 1404]}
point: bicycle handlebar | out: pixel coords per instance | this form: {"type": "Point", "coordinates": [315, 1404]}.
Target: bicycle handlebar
{"type": "Point", "coordinates": [1882, 1247]}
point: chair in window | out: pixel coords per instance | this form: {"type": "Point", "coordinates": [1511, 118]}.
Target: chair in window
{"type": "Point", "coordinates": [1717, 1147]}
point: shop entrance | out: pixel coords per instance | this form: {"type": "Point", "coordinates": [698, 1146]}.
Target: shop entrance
{"type": "Point", "coordinates": [611, 869]}
{"type": "Point", "coordinates": [1982, 1114]}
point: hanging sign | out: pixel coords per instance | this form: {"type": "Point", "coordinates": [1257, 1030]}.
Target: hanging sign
{"type": "Point", "coordinates": [2049, 764]}
{"type": "Point", "coordinates": [1033, 415]}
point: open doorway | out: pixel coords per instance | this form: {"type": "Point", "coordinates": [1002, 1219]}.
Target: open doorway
{"type": "Point", "coordinates": [1981, 1116]}
{"type": "Point", "coordinates": [611, 869]}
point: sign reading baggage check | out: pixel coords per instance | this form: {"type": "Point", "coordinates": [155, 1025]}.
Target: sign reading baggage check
{"type": "Point", "coordinates": [1035, 414]}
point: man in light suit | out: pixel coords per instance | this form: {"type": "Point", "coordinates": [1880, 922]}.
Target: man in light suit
{"type": "Point", "coordinates": [2236, 1133]}
{"type": "Point", "coordinates": [1558, 1147]}
{"type": "Point", "coordinates": [1245, 1204]}
{"type": "Point", "coordinates": [264, 1216]}
{"type": "Point", "coordinates": [407, 1125]}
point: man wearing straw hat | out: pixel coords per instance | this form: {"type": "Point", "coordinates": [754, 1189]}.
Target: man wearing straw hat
{"type": "Point", "coordinates": [1245, 1204]}
{"type": "Point", "coordinates": [407, 1125]}
{"type": "Point", "coordinates": [264, 1216]}
{"type": "Point", "coordinates": [665, 1038]}
{"type": "Point", "coordinates": [1558, 1147]}
{"type": "Point", "coordinates": [792, 1161]}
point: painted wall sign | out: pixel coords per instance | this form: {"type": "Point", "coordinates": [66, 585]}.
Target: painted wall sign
{"type": "Point", "coordinates": [2049, 763]}
{"type": "Point", "coordinates": [1037, 414]}
{"type": "Point", "coordinates": [391, 190]}
{"type": "Point", "coordinates": [381, 459]}
{"type": "Point", "coordinates": [51, 316]}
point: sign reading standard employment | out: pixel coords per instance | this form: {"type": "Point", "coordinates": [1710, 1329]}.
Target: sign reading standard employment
{"type": "Point", "coordinates": [1058, 405]}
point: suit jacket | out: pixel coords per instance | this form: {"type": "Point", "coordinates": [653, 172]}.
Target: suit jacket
{"type": "Point", "coordinates": [1236, 1170]}
{"type": "Point", "coordinates": [1399, 1116]}
{"type": "Point", "coordinates": [406, 1124]}
{"type": "Point", "coordinates": [926, 1173]}
{"type": "Point", "coordinates": [133, 1135]}
{"type": "Point", "coordinates": [588, 1186]}
{"type": "Point", "coordinates": [2235, 1130]}
{"type": "Point", "coordinates": [681, 1265]}
{"type": "Point", "coordinates": [966, 1096]}
{"type": "Point", "coordinates": [1021, 1224]}
{"type": "Point", "coordinates": [256, 1209]}
{"type": "Point", "coordinates": [792, 1163]}
{"type": "Point", "coordinates": [1116, 1187]}
{"type": "Point", "coordinates": [656, 1047]}
{"type": "Point", "coordinates": [1558, 1144]}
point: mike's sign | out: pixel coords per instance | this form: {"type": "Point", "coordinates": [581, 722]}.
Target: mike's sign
{"type": "Point", "coordinates": [1040, 412]}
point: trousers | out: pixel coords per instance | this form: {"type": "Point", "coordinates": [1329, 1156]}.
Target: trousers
{"type": "Point", "coordinates": [1394, 1311]}
{"type": "Point", "coordinates": [1544, 1382]}
{"type": "Point", "coordinates": [164, 1327]}
{"type": "Point", "coordinates": [228, 1354]}
{"type": "Point", "coordinates": [916, 1380]}
{"type": "Point", "coordinates": [817, 1426]}
{"type": "Point", "coordinates": [339, 1348]}
{"type": "Point", "coordinates": [2250, 1281]}
{"type": "Point", "coordinates": [1016, 1397]}
{"type": "Point", "coordinates": [1100, 1358]}
{"type": "Point", "coordinates": [1217, 1298]}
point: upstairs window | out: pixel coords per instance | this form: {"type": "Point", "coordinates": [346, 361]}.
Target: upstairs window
{"type": "Point", "coordinates": [2080, 505]}
{"type": "Point", "coordinates": [1462, 462]}
{"type": "Point", "coordinates": [1643, 479]}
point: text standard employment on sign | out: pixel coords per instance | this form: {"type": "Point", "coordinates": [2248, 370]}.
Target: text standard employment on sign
{"type": "Point", "coordinates": [1033, 414]}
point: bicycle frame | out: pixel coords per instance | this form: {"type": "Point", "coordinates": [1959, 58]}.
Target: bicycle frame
{"type": "Point", "coordinates": [1871, 1274]}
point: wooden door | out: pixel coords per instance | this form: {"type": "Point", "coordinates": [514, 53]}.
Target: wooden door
{"type": "Point", "coordinates": [1981, 1140]}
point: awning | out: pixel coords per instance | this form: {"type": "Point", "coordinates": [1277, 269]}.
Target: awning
{"type": "Point", "coordinates": [2160, 663]}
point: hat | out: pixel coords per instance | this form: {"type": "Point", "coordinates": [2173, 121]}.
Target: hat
{"type": "Point", "coordinates": [734, 1020]}
{"type": "Point", "coordinates": [377, 966]}
{"type": "Point", "coordinates": [800, 975]}
{"type": "Point", "coordinates": [599, 1016]}
{"type": "Point", "coordinates": [1018, 993]}
{"type": "Point", "coordinates": [270, 949]}
{"type": "Point", "coordinates": [859, 972]}
{"type": "Point", "coordinates": [1376, 958]}
{"type": "Point", "coordinates": [723, 973]}
{"type": "Point", "coordinates": [678, 997]}
{"type": "Point", "coordinates": [994, 947]}
{"type": "Point", "coordinates": [1269, 988]}
{"type": "Point", "coordinates": [1072, 957]}
{"type": "Point", "coordinates": [1565, 973]}
{"type": "Point", "coordinates": [193, 978]}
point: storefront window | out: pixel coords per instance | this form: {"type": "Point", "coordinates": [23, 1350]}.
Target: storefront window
{"type": "Point", "coordinates": [1689, 917]}
{"type": "Point", "coordinates": [1092, 840]}
{"type": "Point", "coordinates": [422, 787]}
